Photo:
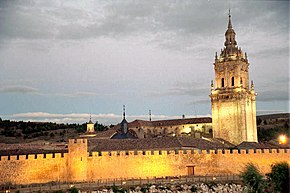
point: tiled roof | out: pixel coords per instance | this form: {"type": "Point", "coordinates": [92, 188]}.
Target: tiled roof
{"type": "Point", "coordinates": [200, 143]}
{"type": "Point", "coordinates": [105, 134]}
{"type": "Point", "coordinates": [120, 135]}
{"type": "Point", "coordinates": [29, 148]}
{"type": "Point", "coordinates": [133, 144]}
{"type": "Point", "coordinates": [151, 144]}
{"type": "Point", "coordinates": [254, 145]}
{"type": "Point", "coordinates": [170, 122]}
{"type": "Point", "coordinates": [222, 141]}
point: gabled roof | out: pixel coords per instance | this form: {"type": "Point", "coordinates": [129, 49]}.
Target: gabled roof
{"type": "Point", "coordinates": [121, 135]}
{"type": "Point", "coordinates": [159, 143]}
{"type": "Point", "coordinates": [31, 148]}
{"type": "Point", "coordinates": [170, 122]}
{"type": "Point", "coordinates": [105, 134]}
{"type": "Point", "coordinates": [255, 145]}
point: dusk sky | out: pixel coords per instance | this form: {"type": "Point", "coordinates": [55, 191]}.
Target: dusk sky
{"type": "Point", "coordinates": [61, 61]}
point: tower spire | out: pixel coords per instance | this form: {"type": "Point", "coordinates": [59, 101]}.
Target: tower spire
{"type": "Point", "coordinates": [230, 22]}
{"type": "Point", "coordinates": [230, 34]}
{"type": "Point", "coordinates": [124, 112]}
{"type": "Point", "coordinates": [90, 122]}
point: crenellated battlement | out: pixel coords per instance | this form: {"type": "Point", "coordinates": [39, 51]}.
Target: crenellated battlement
{"type": "Point", "coordinates": [189, 152]}
{"type": "Point", "coordinates": [77, 141]}
{"type": "Point", "coordinates": [34, 157]}
{"type": "Point", "coordinates": [143, 153]}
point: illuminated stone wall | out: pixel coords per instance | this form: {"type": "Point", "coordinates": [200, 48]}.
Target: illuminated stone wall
{"type": "Point", "coordinates": [78, 165]}
{"type": "Point", "coordinates": [164, 163]}
{"type": "Point", "coordinates": [77, 159]}
{"type": "Point", "coordinates": [234, 117]}
{"type": "Point", "coordinates": [172, 130]}
{"type": "Point", "coordinates": [33, 168]}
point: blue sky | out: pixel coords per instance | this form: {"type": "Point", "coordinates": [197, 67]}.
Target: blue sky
{"type": "Point", "coordinates": [64, 60]}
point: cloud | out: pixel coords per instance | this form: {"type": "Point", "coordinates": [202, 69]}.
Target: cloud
{"type": "Point", "coordinates": [35, 91]}
{"type": "Point", "coordinates": [170, 22]}
{"type": "Point", "coordinates": [276, 90]}
{"type": "Point", "coordinates": [72, 95]}
{"type": "Point", "coordinates": [106, 119]}
{"type": "Point", "coordinates": [270, 110]}
{"type": "Point", "coordinates": [273, 95]}
{"type": "Point", "coordinates": [64, 45]}
{"type": "Point", "coordinates": [182, 89]}
{"type": "Point", "coordinates": [17, 89]}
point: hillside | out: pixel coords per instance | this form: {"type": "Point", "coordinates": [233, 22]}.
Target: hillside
{"type": "Point", "coordinates": [22, 132]}
{"type": "Point", "coordinates": [272, 125]}
{"type": "Point", "coordinates": [269, 128]}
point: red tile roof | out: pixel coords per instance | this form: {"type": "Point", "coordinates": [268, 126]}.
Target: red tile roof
{"type": "Point", "coordinates": [105, 134]}
{"type": "Point", "coordinates": [158, 143]}
{"type": "Point", "coordinates": [170, 122]}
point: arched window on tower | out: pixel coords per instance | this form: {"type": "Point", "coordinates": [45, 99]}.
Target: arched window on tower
{"type": "Point", "coordinates": [223, 82]}
{"type": "Point", "coordinates": [233, 81]}
{"type": "Point", "coordinates": [241, 82]}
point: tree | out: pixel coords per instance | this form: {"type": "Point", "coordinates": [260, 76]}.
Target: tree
{"type": "Point", "coordinates": [52, 135]}
{"type": "Point", "coordinates": [74, 190]}
{"type": "Point", "coordinates": [259, 121]}
{"type": "Point", "coordinates": [252, 177]}
{"type": "Point", "coordinates": [285, 125]}
{"type": "Point", "coordinates": [100, 127]}
{"type": "Point", "coordinates": [80, 130]}
{"type": "Point", "coordinates": [279, 177]}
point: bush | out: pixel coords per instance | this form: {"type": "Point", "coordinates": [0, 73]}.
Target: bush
{"type": "Point", "coordinates": [211, 185]}
{"type": "Point", "coordinates": [144, 189]}
{"type": "Point", "coordinates": [58, 191]}
{"type": "Point", "coordinates": [117, 189]}
{"type": "Point", "coordinates": [252, 177]}
{"type": "Point", "coordinates": [279, 177]}
{"type": "Point", "coordinates": [74, 190]}
{"type": "Point", "coordinates": [193, 188]}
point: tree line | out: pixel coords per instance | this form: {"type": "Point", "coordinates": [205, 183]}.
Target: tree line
{"type": "Point", "coordinates": [35, 129]}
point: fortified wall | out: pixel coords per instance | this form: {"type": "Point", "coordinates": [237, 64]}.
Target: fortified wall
{"type": "Point", "coordinates": [80, 165]}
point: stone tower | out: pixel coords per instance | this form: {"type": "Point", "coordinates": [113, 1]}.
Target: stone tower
{"type": "Point", "coordinates": [90, 127]}
{"type": "Point", "coordinates": [233, 101]}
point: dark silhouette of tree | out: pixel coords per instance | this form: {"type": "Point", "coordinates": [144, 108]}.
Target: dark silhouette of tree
{"type": "Point", "coordinates": [286, 125]}
{"type": "Point", "coordinates": [259, 121]}
{"type": "Point", "coordinates": [279, 177]}
{"type": "Point", "coordinates": [100, 127]}
{"type": "Point", "coordinates": [252, 177]}
{"type": "Point", "coordinates": [52, 135]}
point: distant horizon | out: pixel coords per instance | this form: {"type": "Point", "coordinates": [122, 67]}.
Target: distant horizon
{"type": "Point", "coordinates": [84, 118]}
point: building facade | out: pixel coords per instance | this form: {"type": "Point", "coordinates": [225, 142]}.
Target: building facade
{"type": "Point", "coordinates": [195, 127]}
{"type": "Point", "coordinates": [233, 100]}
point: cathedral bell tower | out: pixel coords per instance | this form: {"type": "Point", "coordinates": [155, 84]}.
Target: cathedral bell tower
{"type": "Point", "coordinates": [233, 101]}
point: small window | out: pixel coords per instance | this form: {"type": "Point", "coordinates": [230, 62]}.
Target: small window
{"type": "Point", "coordinates": [223, 82]}
{"type": "Point", "coordinates": [241, 81]}
{"type": "Point", "coordinates": [233, 81]}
